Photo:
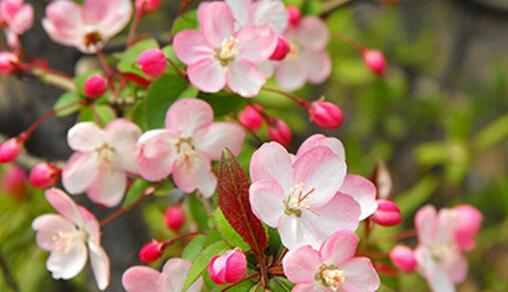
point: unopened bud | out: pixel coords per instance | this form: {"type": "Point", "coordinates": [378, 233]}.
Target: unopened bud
{"type": "Point", "coordinates": [8, 63]}
{"type": "Point", "coordinates": [151, 251]}
{"type": "Point", "coordinates": [251, 118]}
{"type": "Point", "coordinates": [387, 213]}
{"type": "Point", "coordinates": [153, 62]}
{"type": "Point", "coordinates": [174, 217]}
{"type": "Point", "coordinates": [10, 150]}
{"type": "Point", "coordinates": [375, 61]}
{"type": "Point", "coordinates": [326, 114]}
{"type": "Point", "coordinates": [281, 50]}
{"type": "Point", "coordinates": [403, 258]}
{"type": "Point", "coordinates": [228, 268]}
{"type": "Point", "coordinates": [44, 175]}
{"type": "Point", "coordinates": [147, 6]}
{"type": "Point", "coordinates": [280, 132]}
{"type": "Point", "coordinates": [469, 226]}
{"type": "Point", "coordinates": [95, 86]}
{"type": "Point", "coordinates": [294, 15]}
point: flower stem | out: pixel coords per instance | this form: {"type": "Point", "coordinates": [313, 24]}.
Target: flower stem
{"type": "Point", "coordinates": [295, 98]}
{"type": "Point", "coordinates": [178, 238]}
{"type": "Point", "coordinates": [121, 211]}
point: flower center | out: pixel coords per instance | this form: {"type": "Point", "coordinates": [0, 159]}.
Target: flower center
{"type": "Point", "coordinates": [294, 49]}
{"type": "Point", "coordinates": [107, 155]}
{"type": "Point", "coordinates": [440, 252]}
{"type": "Point", "coordinates": [184, 146]}
{"type": "Point", "coordinates": [227, 51]}
{"type": "Point", "coordinates": [330, 277]}
{"type": "Point", "coordinates": [92, 37]}
{"type": "Point", "coordinates": [65, 241]}
{"type": "Point", "coordinates": [295, 200]}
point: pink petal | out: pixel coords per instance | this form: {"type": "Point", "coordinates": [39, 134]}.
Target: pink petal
{"type": "Point", "coordinates": [316, 140]}
{"type": "Point", "coordinates": [108, 188]}
{"type": "Point", "coordinates": [174, 273]}
{"type": "Point", "coordinates": [301, 264]}
{"type": "Point", "coordinates": [64, 205]}
{"type": "Point", "coordinates": [157, 154]}
{"type": "Point", "coordinates": [310, 287]}
{"type": "Point", "coordinates": [216, 22]}
{"type": "Point", "coordinates": [240, 10]}
{"type": "Point", "coordinates": [213, 139]}
{"type": "Point", "coordinates": [155, 169]}
{"type": "Point", "coordinates": [123, 135]}
{"type": "Point", "coordinates": [191, 47]}
{"type": "Point", "coordinates": [91, 225]}
{"type": "Point", "coordinates": [294, 233]}
{"type": "Point", "coordinates": [339, 248]}
{"type": "Point", "coordinates": [312, 33]}
{"type": "Point", "coordinates": [23, 21]}
{"type": "Point", "coordinates": [207, 75]}
{"type": "Point", "coordinates": [266, 199]}
{"type": "Point", "coordinates": [448, 221]}
{"type": "Point", "coordinates": [291, 73]}
{"type": "Point", "coordinates": [48, 226]}
{"type": "Point", "coordinates": [435, 275]}
{"type": "Point", "coordinates": [272, 13]}
{"type": "Point", "coordinates": [141, 279]}
{"type": "Point", "coordinates": [63, 22]}
{"type": "Point", "coordinates": [271, 161]}
{"type": "Point", "coordinates": [360, 276]}
{"type": "Point", "coordinates": [80, 172]}
{"type": "Point", "coordinates": [245, 79]}
{"type": "Point", "coordinates": [426, 222]}
{"type": "Point", "coordinates": [256, 43]}
{"type": "Point", "coordinates": [85, 137]}
{"type": "Point", "coordinates": [195, 172]}
{"type": "Point", "coordinates": [110, 17]}
{"type": "Point", "coordinates": [321, 173]}
{"type": "Point", "coordinates": [363, 191]}
{"type": "Point", "coordinates": [456, 267]}
{"type": "Point", "coordinates": [100, 265]}
{"type": "Point", "coordinates": [66, 265]}
{"type": "Point", "coordinates": [188, 115]}
{"type": "Point", "coordinates": [318, 65]}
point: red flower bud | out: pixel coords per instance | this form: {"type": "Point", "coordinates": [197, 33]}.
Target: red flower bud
{"type": "Point", "coordinates": [326, 114]}
{"type": "Point", "coordinates": [44, 175]}
{"type": "Point", "coordinates": [403, 258]}
{"type": "Point", "coordinates": [375, 61]}
{"type": "Point", "coordinates": [153, 62]}
{"type": "Point", "coordinates": [8, 63]}
{"type": "Point", "coordinates": [281, 50]}
{"type": "Point", "coordinates": [95, 86]}
{"type": "Point", "coordinates": [151, 251]}
{"type": "Point", "coordinates": [13, 180]}
{"type": "Point", "coordinates": [294, 15]}
{"type": "Point", "coordinates": [147, 6]}
{"type": "Point", "coordinates": [228, 268]}
{"type": "Point", "coordinates": [174, 217]}
{"type": "Point", "coordinates": [387, 213]}
{"type": "Point", "coordinates": [10, 150]}
{"type": "Point", "coordinates": [280, 132]}
{"type": "Point", "coordinates": [251, 118]}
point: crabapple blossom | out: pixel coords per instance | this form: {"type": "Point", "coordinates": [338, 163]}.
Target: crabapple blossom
{"type": "Point", "coordinates": [262, 12]}
{"type": "Point", "coordinates": [153, 62]}
{"type": "Point", "coordinates": [172, 278]}
{"type": "Point", "coordinates": [332, 267]}
{"type": "Point", "coordinates": [228, 268]}
{"type": "Point", "coordinates": [187, 146]}
{"type": "Point", "coordinates": [403, 258]}
{"type": "Point", "coordinates": [10, 150]}
{"type": "Point", "coordinates": [218, 55]}
{"type": "Point", "coordinates": [71, 237]}
{"type": "Point", "coordinates": [387, 213]}
{"type": "Point", "coordinates": [44, 175]}
{"type": "Point", "coordinates": [16, 18]}
{"type": "Point", "coordinates": [8, 63]}
{"type": "Point", "coordinates": [95, 86]}
{"type": "Point", "coordinates": [307, 59]}
{"type": "Point", "coordinates": [174, 217]}
{"type": "Point", "coordinates": [102, 160]}
{"type": "Point", "coordinates": [151, 251]}
{"type": "Point", "coordinates": [251, 118]}
{"type": "Point", "coordinates": [326, 114]}
{"type": "Point", "coordinates": [86, 27]}
{"type": "Point", "coordinates": [375, 61]}
{"type": "Point", "coordinates": [280, 132]}
{"type": "Point", "coordinates": [439, 254]}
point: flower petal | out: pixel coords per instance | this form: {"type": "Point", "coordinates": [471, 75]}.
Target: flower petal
{"type": "Point", "coordinates": [272, 13]}
{"type": "Point", "coordinates": [141, 279]}
{"type": "Point", "coordinates": [80, 172]}
{"type": "Point", "coordinates": [195, 172]}
{"type": "Point", "coordinates": [318, 65]}
{"type": "Point", "coordinates": [63, 22]}
{"type": "Point", "coordinates": [85, 137]}
{"type": "Point", "coordinates": [188, 115]}
{"type": "Point", "coordinates": [157, 154]}
{"type": "Point", "coordinates": [291, 73]}
{"type": "Point", "coordinates": [240, 10]}
{"type": "Point", "coordinates": [64, 205]}
{"type": "Point", "coordinates": [266, 199]}
{"type": "Point", "coordinates": [190, 46]}
{"type": "Point", "coordinates": [256, 43]}
{"type": "Point", "coordinates": [108, 188]}
{"type": "Point", "coordinates": [123, 135]}
{"type": "Point", "coordinates": [174, 273]}
{"type": "Point", "coordinates": [216, 22]}
{"type": "Point", "coordinates": [339, 248]}
{"type": "Point", "coordinates": [435, 275]}
{"type": "Point", "coordinates": [271, 161]}
{"type": "Point", "coordinates": [301, 265]}
{"type": "Point", "coordinates": [316, 140]}
{"type": "Point", "coordinates": [110, 17]}
{"type": "Point", "coordinates": [456, 267]}
{"type": "Point", "coordinates": [360, 276]}
{"type": "Point", "coordinates": [363, 191]}
{"type": "Point", "coordinates": [66, 265]}
{"type": "Point", "coordinates": [207, 75]}
{"type": "Point", "coordinates": [244, 78]}
{"type": "Point", "coordinates": [100, 265]}
{"type": "Point", "coordinates": [48, 226]}
{"type": "Point", "coordinates": [91, 224]}
{"type": "Point", "coordinates": [426, 222]}
{"type": "Point", "coordinates": [213, 139]}
{"type": "Point", "coordinates": [294, 233]}
{"type": "Point", "coordinates": [312, 33]}
{"type": "Point", "coordinates": [23, 20]}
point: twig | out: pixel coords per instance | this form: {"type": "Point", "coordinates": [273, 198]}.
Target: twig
{"type": "Point", "coordinates": [28, 161]}
{"type": "Point", "coordinates": [120, 212]}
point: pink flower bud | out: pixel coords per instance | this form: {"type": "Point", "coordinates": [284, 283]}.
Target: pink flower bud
{"type": "Point", "coordinates": [44, 175]}
{"type": "Point", "coordinates": [10, 150]}
{"type": "Point", "coordinates": [281, 50]}
{"type": "Point", "coordinates": [174, 217]}
{"type": "Point", "coordinates": [403, 258]}
{"type": "Point", "coordinates": [326, 114]}
{"type": "Point", "coordinates": [280, 132]}
{"type": "Point", "coordinates": [147, 6]}
{"type": "Point", "coordinates": [294, 15]}
{"type": "Point", "coordinates": [470, 224]}
{"type": "Point", "coordinates": [13, 181]}
{"type": "Point", "coordinates": [153, 62]}
{"type": "Point", "coordinates": [228, 268]}
{"type": "Point", "coordinates": [151, 251]}
{"type": "Point", "coordinates": [95, 86]}
{"type": "Point", "coordinates": [251, 118]}
{"type": "Point", "coordinates": [375, 61]}
{"type": "Point", "coordinates": [8, 63]}
{"type": "Point", "coordinates": [387, 213]}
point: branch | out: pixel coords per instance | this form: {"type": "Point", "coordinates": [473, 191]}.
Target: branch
{"type": "Point", "coordinates": [53, 79]}
{"type": "Point", "coordinates": [27, 160]}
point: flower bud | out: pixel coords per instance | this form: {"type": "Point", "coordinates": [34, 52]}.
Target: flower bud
{"type": "Point", "coordinates": [13, 180]}
{"type": "Point", "coordinates": [281, 50]}
{"type": "Point", "coordinates": [95, 86]}
{"type": "Point", "coordinates": [228, 268]}
{"type": "Point", "coordinates": [280, 132]}
{"type": "Point", "coordinates": [8, 63]}
{"type": "Point", "coordinates": [151, 251]}
{"type": "Point", "coordinates": [470, 224]}
{"type": "Point", "coordinates": [10, 150]}
{"type": "Point", "coordinates": [44, 175]}
{"type": "Point", "coordinates": [174, 217]}
{"type": "Point", "coordinates": [375, 61]}
{"type": "Point", "coordinates": [294, 15]}
{"type": "Point", "coordinates": [153, 62]}
{"type": "Point", "coordinates": [251, 118]}
{"type": "Point", "coordinates": [403, 258]}
{"type": "Point", "coordinates": [326, 114]}
{"type": "Point", "coordinates": [147, 6]}
{"type": "Point", "coordinates": [387, 213]}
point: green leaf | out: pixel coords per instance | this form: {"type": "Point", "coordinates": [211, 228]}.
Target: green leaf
{"type": "Point", "coordinates": [228, 233]}
{"type": "Point", "coordinates": [188, 20]}
{"type": "Point", "coordinates": [194, 247]}
{"type": "Point", "coordinates": [200, 263]}
{"type": "Point", "coordinates": [493, 133]}
{"type": "Point", "coordinates": [136, 190]}
{"type": "Point", "coordinates": [164, 189]}
{"type": "Point", "coordinates": [67, 104]}
{"type": "Point", "coordinates": [128, 61]}
{"type": "Point", "coordinates": [198, 213]}
{"type": "Point", "coordinates": [280, 284]}
{"type": "Point", "coordinates": [161, 94]}
{"type": "Point", "coordinates": [223, 103]}
{"type": "Point", "coordinates": [103, 112]}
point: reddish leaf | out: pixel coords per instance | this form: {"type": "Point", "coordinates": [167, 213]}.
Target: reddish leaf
{"type": "Point", "coordinates": [233, 190]}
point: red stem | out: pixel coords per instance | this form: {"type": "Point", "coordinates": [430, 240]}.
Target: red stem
{"type": "Point", "coordinates": [134, 26]}
{"type": "Point", "coordinates": [120, 212]}
{"type": "Point", "coordinates": [295, 98]}
{"type": "Point", "coordinates": [180, 237]}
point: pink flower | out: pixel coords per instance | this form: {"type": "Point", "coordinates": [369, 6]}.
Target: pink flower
{"type": "Point", "coordinates": [440, 260]}
{"type": "Point", "coordinates": [95, 86]}
{"type": "Point", "coordinates": [218, 55]}
{"type": "Point", "coordinates": [187, 146]}
{"type": "Point", "coordinates": [299, 195]}
{"type": "Point", "coordinates": [89, 26]}
{"type": "Point", "coordinates": [280, 132]}
{"type": "Point", "coordinates": [263, 12]}
{"type": "Point", "coordinates": [174, 217]}
{"type": "Point", "coordinates": [469, 226]}
{"type": "Point", "coordinates": [228, 268]}
{"type": "Point", "coordinates": [387, 213]}
{"type": "Point", "coordinates": [44, 175]}
{"type": "Point", "coordinates": [16, 18]}
{"type": "Point", "coordinates": [307, 59]}
{"type": "Point", "coordinates": [153, 62]}
{"type": "Point", "coordinates": [333, 267]}
{"type": "Point", "coordinates": [172, 278]}
{"type": "Point", "coordinates": [251, 118]}
{"type": "Point", "coordinates": [375, 61]}
{"type": "Point", "coordinates": [102, 160]}
{"type": "Point", "coordinates": [403, 258]}
{"type": "Point", "coordinates": [71, 237]}
{"type": "Point", "coordinates": [151, 251]}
